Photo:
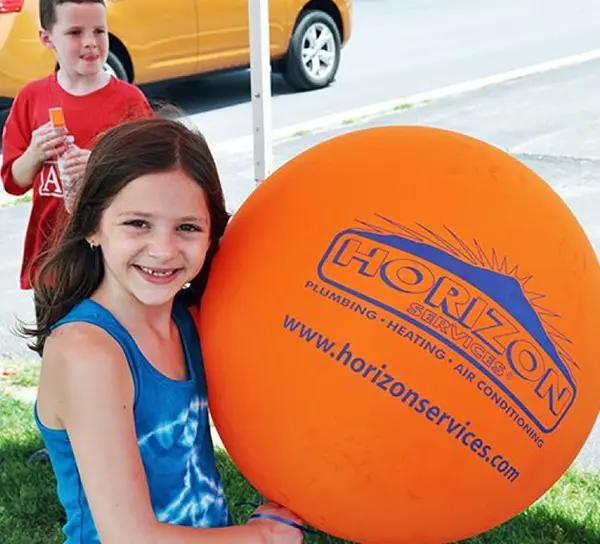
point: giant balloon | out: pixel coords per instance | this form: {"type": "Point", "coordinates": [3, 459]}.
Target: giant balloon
{"type": "Point", "coordinates": [400, 335]}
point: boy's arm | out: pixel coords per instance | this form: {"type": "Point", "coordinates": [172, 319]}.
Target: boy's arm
{"type": "Point", "coordinates": [135, 104]}
{"type": "Point", "coordinates": [144, 107]}
{"type": "Point", "coordinates": [24, 152]}
{"type": "Point", "coordinates": [14, 143]}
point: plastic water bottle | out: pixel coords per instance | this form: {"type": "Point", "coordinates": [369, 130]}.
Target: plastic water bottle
{"type": "Point", "coordinates": [69, 185]}
{"type": "Point", "coordinates": [57, 118]}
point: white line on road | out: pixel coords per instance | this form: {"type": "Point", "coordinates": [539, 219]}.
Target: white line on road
{"type": "Point", "coordinates": [337, 120]}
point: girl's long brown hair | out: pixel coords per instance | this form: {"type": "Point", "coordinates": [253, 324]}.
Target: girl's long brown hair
{"type": "Point", "coordinates": [71, 271]}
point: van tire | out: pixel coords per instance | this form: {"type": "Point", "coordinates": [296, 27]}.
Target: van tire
{"type": "Point", "coordinates": [295, 71]}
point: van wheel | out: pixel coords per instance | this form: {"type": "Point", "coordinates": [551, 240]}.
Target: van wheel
{"type": "Point", "coordinates": [115, 67]}
{"type": "Point", "coordinates": [313, 58]}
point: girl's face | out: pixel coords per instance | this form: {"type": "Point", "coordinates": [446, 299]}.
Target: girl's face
{"type": "Point", "coordinates": [154, 237]}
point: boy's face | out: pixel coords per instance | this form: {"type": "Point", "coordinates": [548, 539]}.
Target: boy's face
{"type": "Point", "coordinates": [79, 38]}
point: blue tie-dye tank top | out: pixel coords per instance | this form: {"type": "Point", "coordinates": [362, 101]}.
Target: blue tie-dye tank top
{"type": "Point", "coordinates": [171, 422]}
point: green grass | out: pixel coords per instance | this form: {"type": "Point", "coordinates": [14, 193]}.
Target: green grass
{"type": "Point", "coordinates": [568, 514]}
{"type": "Point", "coordinates": [403, 107]}
{"type": "Point", "coordinates": [19, 373]}
{"type": "Point", "coordinates": [25, 199]}
{"type": "Point", "coordinates": [29, 510]}
{"type": "Point", "coordinates": [30, 513]}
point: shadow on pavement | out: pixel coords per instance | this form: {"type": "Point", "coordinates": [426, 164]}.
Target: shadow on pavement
{"type": "Point", "coordinates": [200, 94]}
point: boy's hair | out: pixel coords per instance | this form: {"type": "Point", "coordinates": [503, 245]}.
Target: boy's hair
{"type": "Point", "coordinates": [48, 10]}
{"type": "Point", "coordinates": [72, 271]}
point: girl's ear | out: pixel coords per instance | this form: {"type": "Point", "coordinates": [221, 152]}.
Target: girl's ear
{"type": "Point", "coordinates": [45, 39]}
{"type": "Point", "coordinates": [92, 242]}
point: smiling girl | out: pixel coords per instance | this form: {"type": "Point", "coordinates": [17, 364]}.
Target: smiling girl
{"type": "Point", "coordinates": [122, 401]}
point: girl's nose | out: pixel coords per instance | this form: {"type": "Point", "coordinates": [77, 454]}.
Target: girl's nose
{"type": "Point", "coordinates": [162, 246]}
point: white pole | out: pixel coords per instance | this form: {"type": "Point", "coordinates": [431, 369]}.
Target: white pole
{"type": "Point", "coordinates": [260, 75]}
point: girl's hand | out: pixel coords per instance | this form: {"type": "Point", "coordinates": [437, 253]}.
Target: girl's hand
{"type": "Point", "coordinates": [275, 532]}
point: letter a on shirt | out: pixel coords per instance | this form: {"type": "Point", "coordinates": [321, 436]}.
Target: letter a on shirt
{"type": "Point", "coordinates": [51, 185]}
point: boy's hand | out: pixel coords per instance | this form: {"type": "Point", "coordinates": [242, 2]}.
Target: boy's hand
{"type": "Point", "coordinates": [72, 165]}
{"type": "Point", "coordinates": [276, 532]}
{"type": "Point", "coordinates": [47, 143]}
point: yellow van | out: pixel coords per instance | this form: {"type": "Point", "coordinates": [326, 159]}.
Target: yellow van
{"type": "Point", "coordinates": [154, 40]}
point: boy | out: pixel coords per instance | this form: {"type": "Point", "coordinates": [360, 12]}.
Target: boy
{"type": "Point", "coordinates": [84, 101]}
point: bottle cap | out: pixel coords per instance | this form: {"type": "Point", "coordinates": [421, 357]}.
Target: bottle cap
{"type": "Point", "coordinates": [57, 117]}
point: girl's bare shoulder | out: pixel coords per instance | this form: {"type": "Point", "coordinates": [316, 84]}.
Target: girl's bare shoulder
{"type": "Point", "coordinates": [73, 343]}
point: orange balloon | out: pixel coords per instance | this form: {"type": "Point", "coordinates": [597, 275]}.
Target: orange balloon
{"type": "Point", "coordinates": [400, 336]}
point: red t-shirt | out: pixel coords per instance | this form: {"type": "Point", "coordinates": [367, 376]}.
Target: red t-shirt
{"type": "Point", "coordinates": [86, 118]}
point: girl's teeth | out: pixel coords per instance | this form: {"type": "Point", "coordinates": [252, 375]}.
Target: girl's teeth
{"type": "Point", "coordinates": [155, 273]}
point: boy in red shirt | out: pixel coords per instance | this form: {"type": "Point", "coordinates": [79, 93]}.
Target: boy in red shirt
{"type": "Point", "coordinates": [47, 156]}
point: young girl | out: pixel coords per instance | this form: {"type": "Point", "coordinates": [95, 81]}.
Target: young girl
{"type": "Point", "coordinates": [122, 397]}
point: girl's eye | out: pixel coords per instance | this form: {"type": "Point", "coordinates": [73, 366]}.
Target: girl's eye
{"type": "Point", "coordinates": [100, 31]}
{"type": "Point", "coordinates": [74, 32]}
{"type": "Point", "coordinates": [187, 227]}
{"type": "Point", "coordinates": [137, 223]}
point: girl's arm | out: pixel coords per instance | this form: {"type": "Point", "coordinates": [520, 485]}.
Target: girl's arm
{"type": "Point", "coordinates": [87, 386]}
